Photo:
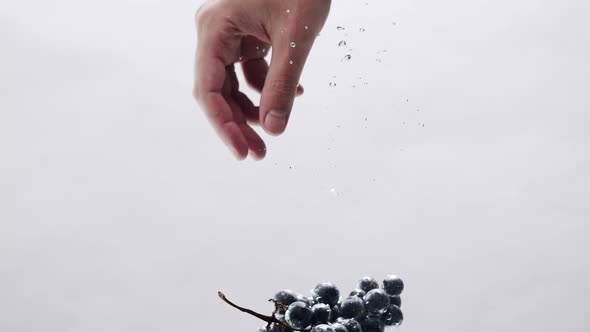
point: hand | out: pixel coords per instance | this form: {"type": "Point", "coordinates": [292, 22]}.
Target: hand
{"type": "Point", "coordinates": [230, 31]}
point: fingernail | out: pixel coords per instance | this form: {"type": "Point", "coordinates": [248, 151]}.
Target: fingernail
{"type": "Point", "coordinates": [275, 121]}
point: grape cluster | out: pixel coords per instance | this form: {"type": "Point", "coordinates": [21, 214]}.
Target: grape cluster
{"type": "Point", "coordinates": [368, 308]}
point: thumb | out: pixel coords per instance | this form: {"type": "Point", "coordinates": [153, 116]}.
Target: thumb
{"type": "Point", "coordinates": [280, 87]}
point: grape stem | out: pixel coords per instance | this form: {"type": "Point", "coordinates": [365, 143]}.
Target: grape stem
{"type": "Point", "coordinates": [268, 319]}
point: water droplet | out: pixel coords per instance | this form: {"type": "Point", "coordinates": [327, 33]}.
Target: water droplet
{"type": "Point", "coordinates": [339, 28]}
{"type": "Point", "coordinates": [306, 27]}
{"type": "Point", "coordinates": [288, 10]}
{"type": "Point", "coordinates": [264, 50]}
{"type": "Point", "coordinates": [293, 44]}
{"type": "Point", "coordinates": [378, 60]}
{"type": "Point", "coordinates": [362, 29]}
{"type": "Point", "coordinates": [290, 62]}
{"type": "Point", "coordinates": [342, 43]}
{"type": "Point", "coordinates": [332, 84]}
{"type": "Point", "coordinates": [347, 57]}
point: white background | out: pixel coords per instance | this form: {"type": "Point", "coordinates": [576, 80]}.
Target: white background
{"type": "Point", "coordinates": [121, 211]}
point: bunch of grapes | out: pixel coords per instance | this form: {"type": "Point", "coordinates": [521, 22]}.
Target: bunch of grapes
{"type": "Point", "coordinates": [368, 308]}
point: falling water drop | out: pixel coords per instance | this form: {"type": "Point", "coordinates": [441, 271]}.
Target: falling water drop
{"type": "Point", "coordinates": [342, 43]}
{"type": "Point", "coordinates": [293, 44]}
{"type": "Point", "coordinates": [347, 57]}
{"type": "Point", "coordinates": [332, 84]}
{"type": "Point", "coordinates": [339, 28]}
{"type": "Point", "coordinates": [290, 62]}
{"type": "Point", "coordinates": [362, 29]}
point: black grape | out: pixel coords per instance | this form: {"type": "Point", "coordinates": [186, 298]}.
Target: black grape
{"type": "Point", "coordinates": [393, 285]}
{"type": "Point", "coordinates": [367, 283]}
{"type": "Point", "coordinates": [298, 315]}
{"type": "Point", "coordinates": [376, 301]}
{"type": "Point", "coordinates": [326, 292]}
{"type": "Point", "coordinates": [352, 307]}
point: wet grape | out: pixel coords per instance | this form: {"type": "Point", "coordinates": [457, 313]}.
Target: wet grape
{"type": "Point", "coordinates": [393, 285]}
{"type": "Point", "coordinates": [376, 301]}
{"type": "Point", "coordinates": [298, 315]}
{"type": "Point", "coordinates": [352, 307]}
{"type": "Point", "coordinates": [367, 283]}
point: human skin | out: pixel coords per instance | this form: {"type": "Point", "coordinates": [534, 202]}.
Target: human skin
{"type": "Point", "coordinates": [244, 31]}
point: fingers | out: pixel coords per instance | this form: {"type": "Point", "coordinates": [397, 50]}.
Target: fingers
{"type": "Point", "coordinates": [209, 85]}
{"type": "Point", "coordinates": [214, 51]}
